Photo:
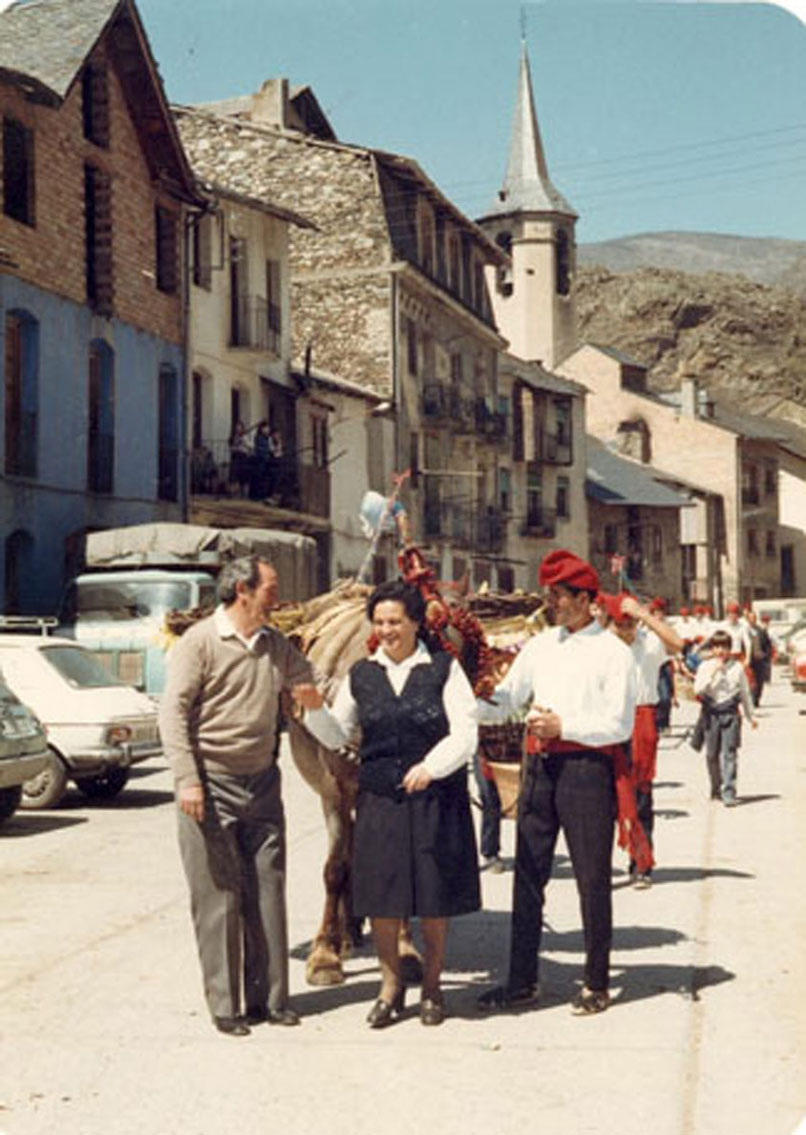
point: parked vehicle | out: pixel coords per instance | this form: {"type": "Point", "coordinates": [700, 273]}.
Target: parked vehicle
{"type": "Point", "coordinates": [23, 749]}
{"type": "Point", "coordinates": [97, 726]}
{"type": "Point", "coordinates": [136, 575]}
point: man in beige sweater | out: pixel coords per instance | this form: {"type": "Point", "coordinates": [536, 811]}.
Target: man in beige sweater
{"type": "Point", "coordinates": [219, 724]}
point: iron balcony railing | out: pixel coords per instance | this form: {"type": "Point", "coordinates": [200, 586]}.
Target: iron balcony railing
{"type": "Point", "coordinates": [254, 324]}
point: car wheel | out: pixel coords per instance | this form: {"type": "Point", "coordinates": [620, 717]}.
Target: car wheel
{"type": "Point", "coordinates": [9, 801]}
{"type": "Point", "coordinates": [106, 786]}
{"type": "Point", "coordinates": [46, 789]}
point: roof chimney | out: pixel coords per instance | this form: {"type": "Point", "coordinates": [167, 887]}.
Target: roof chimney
{"type": "Point", "coordinates": [689, 397]}
{"type": "Point", "coordinates": [270, 104]}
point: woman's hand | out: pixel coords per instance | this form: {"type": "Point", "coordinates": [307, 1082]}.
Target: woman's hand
{"type": "Point", "coordinates": [417, 778]}
{"type": "Point", "coordinates": [307, 695]}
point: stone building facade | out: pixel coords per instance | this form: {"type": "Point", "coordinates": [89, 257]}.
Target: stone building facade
{"type": "Point", "coordinates": [388, 293]}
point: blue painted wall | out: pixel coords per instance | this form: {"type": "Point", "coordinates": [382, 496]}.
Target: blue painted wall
{"type": "Point", "coordinates": [56, 503]}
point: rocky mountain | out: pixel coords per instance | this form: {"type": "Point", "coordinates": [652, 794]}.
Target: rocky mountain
{"type": "Point", "coordinates": [745, 340]}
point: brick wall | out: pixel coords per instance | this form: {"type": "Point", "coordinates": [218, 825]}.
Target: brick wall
{"type": "Point", "coordinates": [51, 253]}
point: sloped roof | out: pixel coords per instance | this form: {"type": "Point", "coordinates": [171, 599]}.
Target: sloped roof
{"type": "Point", "coordinates": [48, 40]}
{"type": "Point", "coordinates": [750, 426]}
{"type": "Point", "coordinates": [252, 177]}
{"type": "Point", "coordinates": [536, 375]}
{"type": "Point", "coordinates": [44, 46]}
{"type": "Point", "coordinates": [615, 353]}
{"type": "Point", "coordinates": [614, 480]}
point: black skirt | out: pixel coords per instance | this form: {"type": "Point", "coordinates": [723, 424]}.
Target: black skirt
{"type": "Point", "coordinates": [415, 855]}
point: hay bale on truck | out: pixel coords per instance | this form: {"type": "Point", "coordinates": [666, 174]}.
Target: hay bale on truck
{"type": "Point", "coordinates": [138, 575]}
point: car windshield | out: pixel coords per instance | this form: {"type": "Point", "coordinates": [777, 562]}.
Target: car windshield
{"type": "Point", "coordinates": [78, 667]}
{"type": "Point", "coordinates": [119, 601]}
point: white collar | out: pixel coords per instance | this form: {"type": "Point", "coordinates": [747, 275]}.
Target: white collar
{"type": "Point", "coordinates": [418, 655]}
{"type": "Point", "coordinates": [227, 629]}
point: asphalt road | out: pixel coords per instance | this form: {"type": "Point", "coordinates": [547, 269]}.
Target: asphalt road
{"type": "Point", "coordinates": [103, 1030]}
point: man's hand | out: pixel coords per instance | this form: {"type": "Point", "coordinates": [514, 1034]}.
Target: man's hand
{"type": "Point", "coordinates": [191, 801]}
{"type": "Point", "coordinates": [544, 724]}
{"type": "Point", "coordinates": [417, 778]}
{"type": "Point", "coordinates": [307, 695]}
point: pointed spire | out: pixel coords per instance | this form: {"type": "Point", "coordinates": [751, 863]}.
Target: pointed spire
{"type": "Point", "coordinates": [527, 186]}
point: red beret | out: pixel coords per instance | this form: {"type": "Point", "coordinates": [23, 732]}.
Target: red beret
{"type": "Point", "coordinates": [657, 604]}
{"type": "Point", "coordinates": [684, 611]}
{"type": "Point", "coordinates": [561, 566]}
{"type": "Point", "coordinates": [613, 605]}
{"type": "Point", "coordinates": [733, 606]}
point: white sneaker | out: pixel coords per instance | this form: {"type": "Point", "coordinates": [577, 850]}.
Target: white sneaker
{"type": "Point", "coordinates": [492, 863]}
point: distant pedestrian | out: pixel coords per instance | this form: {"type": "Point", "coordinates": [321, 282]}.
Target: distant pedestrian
{"type": "Point", "coordinates": [721, 685]}
{"type": "Point", "coordinates": [760, 654]}
{"type": "Point", "coordinates": [651, 642]}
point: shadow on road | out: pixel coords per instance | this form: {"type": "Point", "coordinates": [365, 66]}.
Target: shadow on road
{"type": "Point", "coordinates": [34, 823]}
{"type": "Point", "coordinates": [759, 799]}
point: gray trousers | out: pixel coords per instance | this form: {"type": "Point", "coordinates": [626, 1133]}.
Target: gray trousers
{"type": "Point", "coordinates": [235, 866]}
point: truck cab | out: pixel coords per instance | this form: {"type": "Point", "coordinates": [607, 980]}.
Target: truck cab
{"type": "Point", "coordinates": [119, 616]}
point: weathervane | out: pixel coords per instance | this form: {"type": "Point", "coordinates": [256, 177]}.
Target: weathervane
{"type": "Point", "coordinates": [523, 23]}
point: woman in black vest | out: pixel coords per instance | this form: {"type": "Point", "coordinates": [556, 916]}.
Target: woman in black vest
{"type": "Point", "coordinates": [414, 850]}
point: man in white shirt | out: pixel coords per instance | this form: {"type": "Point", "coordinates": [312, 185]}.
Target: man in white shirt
{"type": "Point", "coordinates": [736, 628]}
{"type": "Point", "coordinates": [579, 683]}
{"type": "Point", "coordinates": [721, 685]}
{"type": "Point", "coordinates": [651, 641]}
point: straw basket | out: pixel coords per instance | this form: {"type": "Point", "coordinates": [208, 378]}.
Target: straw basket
{"type": "Point", "coordinates": [501, 747]}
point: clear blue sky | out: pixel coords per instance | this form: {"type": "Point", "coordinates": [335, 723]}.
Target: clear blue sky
{"type": "Point", "coordinates": [655, 116]}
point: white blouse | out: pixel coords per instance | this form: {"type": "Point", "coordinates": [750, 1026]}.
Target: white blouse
{"type": "Point", "coordinates": [337, 725]}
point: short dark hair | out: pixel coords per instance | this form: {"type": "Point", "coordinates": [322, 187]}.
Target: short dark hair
{"type": "Point", "coordinates": [396, 591]}
{"type": "Point", "coordinates": [244, 570]}
{"type": "Point", "coordinates": [578, 591]}
{"type": "Point", "coordinates": [721, 638]}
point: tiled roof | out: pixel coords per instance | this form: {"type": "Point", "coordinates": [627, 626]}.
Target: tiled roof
{"type": "Point", "coordinates": [615, 480]}
{"type": "Point", "coordinates": [537, 376]}
{"type": "Point", "coordinates": [619, 356]}
{"type": "Point", "coordinates": [48, 40]}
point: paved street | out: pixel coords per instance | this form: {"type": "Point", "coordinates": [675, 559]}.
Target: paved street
{"type": "Point", "coordinates": [104, 1029]}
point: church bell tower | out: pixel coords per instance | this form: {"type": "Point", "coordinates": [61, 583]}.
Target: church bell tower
{"type": "Point", "coordinates": [533, 301]}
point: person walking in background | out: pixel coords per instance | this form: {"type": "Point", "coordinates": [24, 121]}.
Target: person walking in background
{"type": "Point", "coordinates": [219, 725]}
{"type": "Point", "coordinates": [721, 685]}
{"type": "Point", "coordinates": [651, 642]}
{"type": "Point", "coordinates": [414, 848]}
{"type": "Point", "coordinates": [578, 683]}
{"type": "Point", "coordinates": [490, 832]}
{"type": "Point", "coordinates": [760, 654]}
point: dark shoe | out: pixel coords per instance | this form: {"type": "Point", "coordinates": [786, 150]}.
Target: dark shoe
{"type": "Point", "coordinates": [232, 1026]}
{"type": "Point", "coordinates": [261, 1014]}
{"type": "Point", "coordinates": [383, 1012]}
{"type": "Point", "coordinates": [494, 864]}
{"type": "Point", "coordinates": [590, 1001]}
{"type": "Point", "coordinates": [642, 882]}
{"type": "Point", "coordinates": [432, 1011]}
{"type": "Point", "coordinates": [504, 997]}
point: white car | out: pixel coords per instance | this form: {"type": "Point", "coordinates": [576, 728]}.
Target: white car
{"type": "Point", "coordinates": [97, 727]}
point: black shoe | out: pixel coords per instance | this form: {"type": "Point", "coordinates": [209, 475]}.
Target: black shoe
{"type": "Point", "coordinates": [505, 997]}
{"type": "Point", "coordinates": [383, 1012]}
{"type": "Point", "coordinates": [432, 1011]}
{"type": "Point", "coordinates": [232, 1026]}
{"type": "Point", "coordinates": [262, 1014]}
{"type": "Point", "coordinates": [590, 1001]}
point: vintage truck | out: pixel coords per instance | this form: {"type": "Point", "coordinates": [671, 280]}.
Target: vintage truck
{"type": "Point", "coordinates": [136, 575]}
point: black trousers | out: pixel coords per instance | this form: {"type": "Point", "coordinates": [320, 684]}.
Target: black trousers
{"type": "Point", "coordinates": [575, 792]}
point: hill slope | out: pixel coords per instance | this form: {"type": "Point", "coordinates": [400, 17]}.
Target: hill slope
{"type": "Point", "coordinates": [767, 260]}
{"type": "Point", "coordinates": [744, 340]}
